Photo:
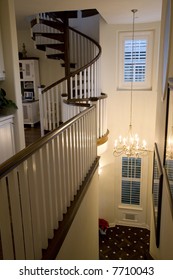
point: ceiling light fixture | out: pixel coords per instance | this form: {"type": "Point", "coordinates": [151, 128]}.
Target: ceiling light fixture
{"type": "Point", "coordinates": [130, 145]}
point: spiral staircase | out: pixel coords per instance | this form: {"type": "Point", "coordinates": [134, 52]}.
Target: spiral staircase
{"type": "Point", "coordinates": [80, 57]}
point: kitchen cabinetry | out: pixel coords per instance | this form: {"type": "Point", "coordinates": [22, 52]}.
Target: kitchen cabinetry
{"type": "Point", "coordinates": [31, 112]}
{"type": "Point", "coordinates": [30, 81]}
{"type": "Point", "coordinates": [29, 78]}
{"type": "Point", "coordinates": [2, 69]}
{"type": "Point", "coordinates": [7, 146]}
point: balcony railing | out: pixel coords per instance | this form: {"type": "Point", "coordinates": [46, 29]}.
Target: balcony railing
{"type": "Point", "coordinates": [38, 184]}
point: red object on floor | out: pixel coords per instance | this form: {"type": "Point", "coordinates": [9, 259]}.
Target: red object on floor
{"type": "Point", "coordinates": [103, 224]}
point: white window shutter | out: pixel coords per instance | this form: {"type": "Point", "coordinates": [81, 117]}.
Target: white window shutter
{"type": "Point", "coordinates": [131, 181]}
{"type": "Point", "coordinates": [136, 68]}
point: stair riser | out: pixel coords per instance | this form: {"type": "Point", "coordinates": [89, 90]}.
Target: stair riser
{"type": "Point", "coordinates": [41, 28]}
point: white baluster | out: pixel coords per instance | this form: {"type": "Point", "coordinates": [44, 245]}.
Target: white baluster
{"type": "Point", "coordinates": [80, 84]}
{"type": "Point", "coordinates": [47, 189]}
{"type": "Point", "coordinates": [58, 108]}
{"type": "Point", "coordinates": [14, 195]}
{"type": "Point", "coordinates": [53, 183]}
{"type": "Point", "coordinates": [76, 85]}
{"type": "Point", "coordinates": [26, 211]}
{"type": "Point", "coordinates": [45, 111]}
{"type": "Point", "coordinates": [92, 81]}
{"type": "Point", "coordinates": [89, 82]}
{"type": "Point", "coordinates": [34, 204]}
{"type": "Point", "coordinates": [5, 222]}
{"type": "Point", "coordinates": [41, 111]}
{"type": "Point", "coordinates": [58, 174]}
{"type": "Point", "coordinates": [84, 83]}
{"type": "Point", "coordinates": [63, 175]}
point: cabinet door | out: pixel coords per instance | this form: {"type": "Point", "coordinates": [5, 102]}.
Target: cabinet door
{"type": "Point", "coordinates": [31, 112]}
{"type": "Point", "coordinates": [2, 69]}
{"type": "Point", "coordinates": [27, 70]}
{"type": "Point", "coordinates": [6, 140]}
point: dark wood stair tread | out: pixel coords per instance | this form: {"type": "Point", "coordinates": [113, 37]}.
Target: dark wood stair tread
{"type": "Point", "coordinates": [59, 47]}
{"type": "Point", "coordinates": [89, 12]}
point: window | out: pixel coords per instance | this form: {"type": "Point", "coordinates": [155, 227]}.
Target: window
{"type": "Point", "coordinates": [135, 60]}
{"type": "Point", "coordinates": [131, 181]}
{"type": "Point", "coordinates": [135, 63]}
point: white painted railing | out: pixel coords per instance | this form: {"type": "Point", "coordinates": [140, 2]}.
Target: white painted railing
{"type": "Point", "coordinates": [82, 50]}
{"type": "Point", "coordinates": [85, 84]}
{"type": "Point", "coordinates": [39, 183]}
{"type": "Point", "coordinates": [56, 109]}
{"type": "Point", "coordinates": [101, 108]}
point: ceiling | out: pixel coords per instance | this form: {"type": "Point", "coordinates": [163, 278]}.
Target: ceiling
{"type": "Point", "coordinates": [113, 11]}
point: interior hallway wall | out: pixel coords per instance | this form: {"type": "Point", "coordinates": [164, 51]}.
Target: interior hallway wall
{"type": "Point", "coordinates": [165, 250]}
{"type": "Point", "coordinates": [144, 113]}
{"type": "Point", "coordinates": [11, 84]}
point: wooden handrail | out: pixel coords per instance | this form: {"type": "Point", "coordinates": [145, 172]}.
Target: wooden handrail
{"type": "Point", "coordinates": [75, 100]}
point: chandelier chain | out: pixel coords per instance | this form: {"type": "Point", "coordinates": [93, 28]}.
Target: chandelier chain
{"type": "Point", "coordinates": [132, 76]}
{"type": "Point", "coordinates": [130, 145]}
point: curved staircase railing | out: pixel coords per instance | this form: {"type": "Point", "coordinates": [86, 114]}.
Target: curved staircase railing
{"type": "Point", "coordinates": [80, 88]}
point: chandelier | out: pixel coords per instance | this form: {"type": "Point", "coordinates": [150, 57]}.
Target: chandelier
{"type": "Point", "coordinates": [130, 145]}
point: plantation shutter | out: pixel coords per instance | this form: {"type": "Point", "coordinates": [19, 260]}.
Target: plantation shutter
{"type": "Point", "coordinates": [135, 60]}
{"type": "Point", "coordinates": [131, 181]}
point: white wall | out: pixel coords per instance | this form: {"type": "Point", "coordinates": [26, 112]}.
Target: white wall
{"type": "Point", "coordinates": [165, 250]}
{"type": "Point", "coordinates": [10, 52]}
{"type": "Point", "coordinates": [81, 242]}
{"type": "Point", "coordinates": [144, 112]}
{"type": "Point", "coordinates": [89, 25]}
{"type": "Point", "coordinates": [50, 69]}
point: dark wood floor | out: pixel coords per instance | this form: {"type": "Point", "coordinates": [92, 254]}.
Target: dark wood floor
{"type": "Point", "coordinates": [32, 133]}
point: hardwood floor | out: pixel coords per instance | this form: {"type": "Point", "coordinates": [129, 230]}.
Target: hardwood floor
{"type": "Point", "coordinates": [32, 133]}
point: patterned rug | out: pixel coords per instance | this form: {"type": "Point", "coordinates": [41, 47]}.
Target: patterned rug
{"type": "Point", "coordinates": [124, 243]}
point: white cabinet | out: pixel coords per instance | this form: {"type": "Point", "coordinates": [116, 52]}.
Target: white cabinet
{"type": "Point", "coordinates": [7, 147]}
{"type": "Point", "coordinates": [29, 78]}
{"type": "Point", "coordinates": [31, 112]}
{"type": "Point", "coordinates": [2, 69]}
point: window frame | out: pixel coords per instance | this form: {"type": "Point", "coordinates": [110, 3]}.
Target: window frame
{"type": "Point", "coordinates": [139, 35]}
